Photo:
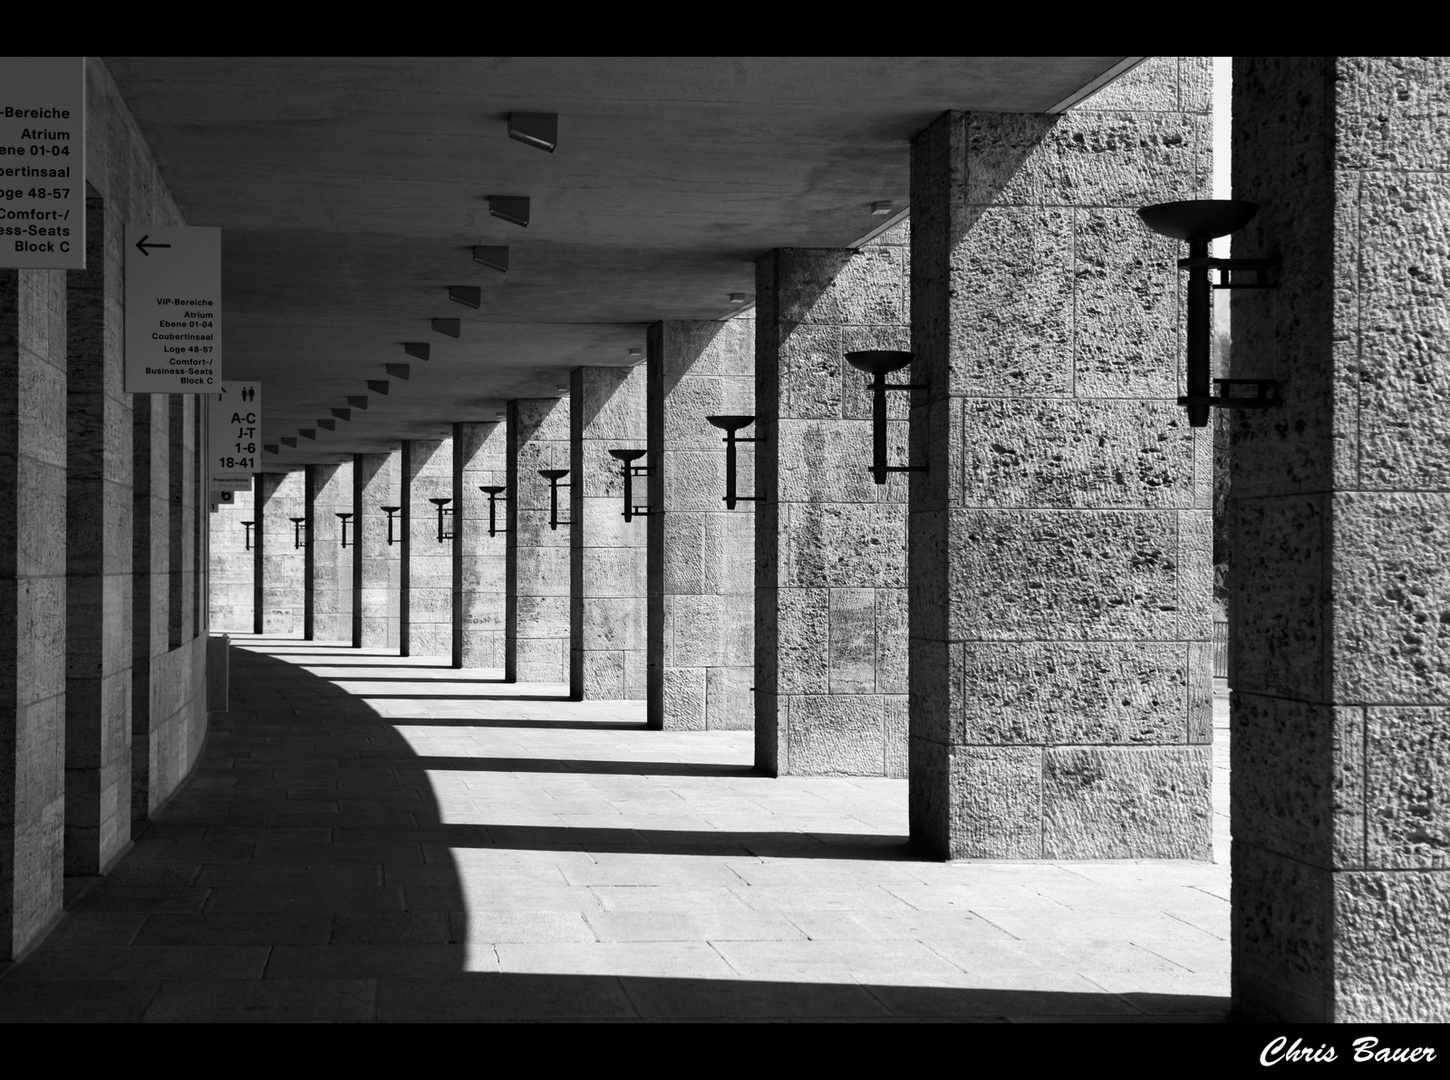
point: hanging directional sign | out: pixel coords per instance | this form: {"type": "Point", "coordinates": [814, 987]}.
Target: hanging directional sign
{"type": "Point", "coordinates": [173, 309]}
{"type": "Point", "coordinates": [43, 162]}
{"type": "Point", "coordinates": [234, 446]}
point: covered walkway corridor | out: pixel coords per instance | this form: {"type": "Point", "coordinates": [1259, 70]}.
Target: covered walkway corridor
{"type": "Point", "coordinates": [369, 837]}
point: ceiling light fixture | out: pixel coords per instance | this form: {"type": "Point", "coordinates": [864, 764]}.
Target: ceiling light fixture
{"type": "Point", "coordinates": [881, 208]}
{"type": "Point", "coordinates": [467, 295]}
{"type": "Point", "coordinates": [448, 327]}
{"type": "Point", "coordinates": [417, 349]}
{"type": "Point", "coordinates": [495, 257]}
{"type": "Point", "coordinates": [540, 130]}
{"type": "Point", "coordinates": [511, 208]}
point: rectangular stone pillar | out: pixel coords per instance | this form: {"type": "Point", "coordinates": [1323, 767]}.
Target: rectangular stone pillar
{"type": "Point", "coordinates": [480, 575]}
{"type": "Point", "coordinates": [607, 553]}
{"type": "Point", "coordinates": [1339, 514]}
{"type": "Point", "coordinates": [150, 593]}
{"type": "Point", "coordinates": [377, 565]}
{"type": "Point", "coordinates": [536, 642]}
{"type": "Point", "coordinates": [230, 599]}
{"type": "Point", "coordinates": [330, 492]}
{"type": "Point", "coordinates": [701, 635]}
{"type": "Point", "coordinates": [32, 603]}
{"type": "Point", "coordinates": [830, 618]}
{"type": "Point", "coordinates": [429, 609]}
{"type": "Point", "coordinates": [98, 570]}
{"type": "Point", "coordinates": [284, 581]}
{"type": "Point", "coordinates": [1061, 695]}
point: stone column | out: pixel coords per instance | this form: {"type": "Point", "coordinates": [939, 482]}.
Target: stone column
{"type": "Point", "coordinates": [284, 582]}
{"type": "Point", "coordinates": [479, 560]}
{"type": "Point", "coordinates": [830, 619]}
{"type": "Point", "coordinates": [536, 643]}
{"type": "Point", "coordinates": [607, 553]}
{"type": "Point", "coordinates": [701, 640]}
{"type": "Point", "coordinates": [98, 569]}
{"type": "Point", "coordinates": [150, 593]}
{"type": "Point", "coordinates": [377, 565]}
{"type": "Point", "coordinates": [429, 609]}
{"type": "Point", "coordinates": [1339, 513]}
{"type": "Point", "coordinates": [231, 566]}
{"type": "Point", "coordinates": [32, 603]}
{"type": "Point", "coordinates": [1061, 695]}
{"type": "Point", "coordinates": [330, 492]}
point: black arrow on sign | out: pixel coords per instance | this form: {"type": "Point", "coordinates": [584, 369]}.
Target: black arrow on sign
{"type": "Point", "coordinates": [142, 245]}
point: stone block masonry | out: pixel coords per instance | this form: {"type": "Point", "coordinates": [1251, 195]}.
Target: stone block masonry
{"type": "Point", "coordinates": [1060, 574]}
{"type": "Point", "coordinates": [830, 600]}
{"type": "Point", "coordinates": [701, 568]}
{"type": "Point", "coordinates": [480, 577]}
{"type": "Point", "coordinates": [1339, 593]}
{"type": "Point", "coordinates": [537, 633]}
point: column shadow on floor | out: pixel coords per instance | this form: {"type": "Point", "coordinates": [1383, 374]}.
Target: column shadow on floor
{"type": "Point", "coordinates": [305, 872]}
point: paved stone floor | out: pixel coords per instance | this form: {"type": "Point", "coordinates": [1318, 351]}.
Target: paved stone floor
{"type": "Point", "coordinates": [374, 838]}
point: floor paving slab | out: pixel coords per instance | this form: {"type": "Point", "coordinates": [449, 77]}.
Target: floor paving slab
{"type": "Point", "coordinates": [371, 837]}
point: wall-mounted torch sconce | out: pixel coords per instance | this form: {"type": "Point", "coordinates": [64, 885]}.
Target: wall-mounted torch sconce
{"type": "Point", "coordinates": [1198, 221]}
{"type": "Point", "coordinates": [730, 425]}
{"type": "Point", "coordinates": [880, 363]}
{"type": "Point", "coordinates": [343, 518]}
{"type": "Point", "coordinates": [493, 491]}
{"type": "Point", "coordinates": [248, 526]}
{"type": "Point", "coordinates": [297, 524]}
{"type": "Point", "coordinates": [626, 458]}
{"type": "Point", "coordinates": [554, 476]}
{"type": "Point", "coordinates": [390, 511]}
{"type": "Point", "coordinates": [445, 519]}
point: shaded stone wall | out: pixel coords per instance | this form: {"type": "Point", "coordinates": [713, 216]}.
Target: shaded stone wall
{"type": "Point", "coordinates": [1061, 698]}
{"type": "Point", "coordinates": [607, 554]}
{"type": "Point", "coordinates": [536, 643]}
{"type": "Point", "coordinates": [429, 601]}
{"type": "Point", "coordinates": [102, 704]}
{"type": "Point", "coordinates": [98, 562]}
{"type": "Point", "coordinates": [32, 602]}
{"type": "Point", "coordinates": [480, 576]}
{"type": "Point", "coordinates": [701, 555]}
{"type": "Point", "coordinates": [330, 594]}
{"type": "Point", "coordinates": [830, 616]}
{"type": "Point", "coordinates": [231, 566]}
{"type": "Point", "coordinates": [377, 565]}
{"type": "Point", "coordinates": [284, 581]}
{"type": "Point", "coordinates": [1339, 518]}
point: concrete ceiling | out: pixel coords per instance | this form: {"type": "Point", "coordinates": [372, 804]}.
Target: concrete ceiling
{"type": "Point", "coordinates": [351, 191]}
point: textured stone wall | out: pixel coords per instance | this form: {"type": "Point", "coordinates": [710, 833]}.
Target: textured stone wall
{"type": "Point", "coordinates": [377, 565]}
{"type": "Point", "coordinates": [98, 561]}
{"type": "Point", "coordinates": [1339, 518]}
{"type": "Point", "coordinates": [830, 608]}
{"type": "Point", "coordinates": [101, 710]}
{"type": "Point", "coordinates": [1061, 694]}
{"type": "Point", "coordinates": [607, 554]}
{"type": "Point", "coordinates": [429, 602]}
{"type": "Point", "coordinates": [480, 578]}
{"type": "Point", "coordinates": [536, 642]}
{"type": "Point", "coordinates": [231, 562]}
{"type": "Point", "coordinates": [284, 579]}
{"type": "Point", "coordinates": [32, 601]}
{"type": "Point", "coordinates": [701, 646]}
{"type": "Point", "coordinates": [330, 595]}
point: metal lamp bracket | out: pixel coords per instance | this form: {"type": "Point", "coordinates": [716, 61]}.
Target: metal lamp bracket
{"type": "Point", "coordinates": [879, 363]}
{"type": "Point", "coordinates": [554, 476]}
{"type": "Point", "coordinates": [627, 458]}
{"type": "Point", "coordinates": [297, 524]}
{"type": "Point", "coordinates": [343, 518]}
{"type": "Point", "coordinates": [390, 511]}
{"type": "Point", "coordinates": [730, 425]}
{"type": "Point", "coordinates": [493, 491]}
{"type": "Point", "coordinates": [445, 519]}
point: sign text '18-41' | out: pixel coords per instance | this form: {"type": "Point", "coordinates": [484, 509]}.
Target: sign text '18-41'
{"type": "Point", "coordinates": [234, 447]}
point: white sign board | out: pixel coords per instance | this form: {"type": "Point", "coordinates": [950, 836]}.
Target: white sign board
{"type": "Point", "coordinates": [43, 162]}
{"type": "Point", "coordinates": [234, 442]}
{"type": "Point", "coordinates": [173, 309]}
